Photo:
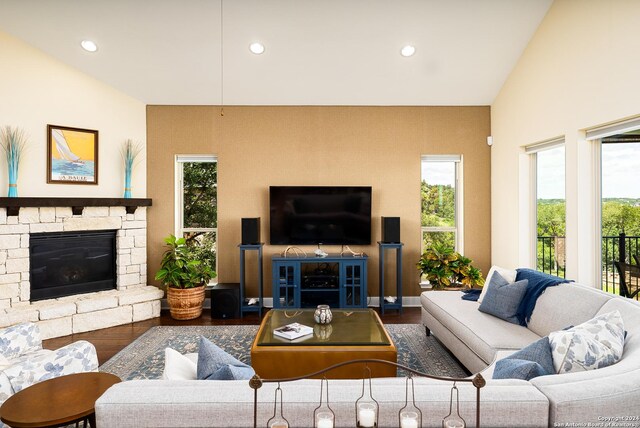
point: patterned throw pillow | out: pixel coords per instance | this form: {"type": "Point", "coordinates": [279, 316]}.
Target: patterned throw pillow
{"type": "Point", "coordinates": [591, 345]}
{"type": "Point", "coordinates": [503, 299]}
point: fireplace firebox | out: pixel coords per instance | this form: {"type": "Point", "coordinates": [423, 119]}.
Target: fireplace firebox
{"type": "Point", "coordinates": [67, 263]}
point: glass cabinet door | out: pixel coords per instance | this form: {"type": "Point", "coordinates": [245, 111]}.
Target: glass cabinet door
{"type": "Point", "coordinates": [286, 278]}
{"type": "Point", "coordinates": [353, 278]}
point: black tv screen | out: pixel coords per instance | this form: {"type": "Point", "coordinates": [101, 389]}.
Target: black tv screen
{"type": "Point", "coordinates": [310, 215]}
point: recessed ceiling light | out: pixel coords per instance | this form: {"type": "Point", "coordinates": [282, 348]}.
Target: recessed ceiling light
{"type": "Point", "coordinates": [256, 47]}
{"type": "Point", "coordinates": [408, 50]}
{"type": "Point", "coordinates": [89, 46]}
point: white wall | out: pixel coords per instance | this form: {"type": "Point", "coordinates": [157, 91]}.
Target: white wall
{"type": "Point", "coordinates": [36, 90]}
{"type": "Point", "coordinates": [580, 70]}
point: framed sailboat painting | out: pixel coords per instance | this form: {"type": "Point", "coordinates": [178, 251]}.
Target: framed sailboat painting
{"type": "Point", "coordinates": [72, 155]}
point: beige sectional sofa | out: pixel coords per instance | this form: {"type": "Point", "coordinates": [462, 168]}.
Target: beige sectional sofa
{"type": "Point", "coordinates": [597, 396]}
{"type": "Point", "coordinates": [474, 337]}
{"type": "Point", "coordinates": [202, 403]}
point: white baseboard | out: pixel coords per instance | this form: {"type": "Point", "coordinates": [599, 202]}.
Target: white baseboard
{"type": "Point", "coordinates": [374, 302]}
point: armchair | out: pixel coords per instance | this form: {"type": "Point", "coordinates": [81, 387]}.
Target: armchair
{"type": "Point", "coordinates": [23, 362]}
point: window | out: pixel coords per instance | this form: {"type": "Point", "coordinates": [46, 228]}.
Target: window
{"type": "Point", "coordinates": [550, 205]}
{"type": "Point", "coordinates": [441, 202]}
{"type": "Point", "coordinates": [197, 205]}
{"type": "Point", "coordinates": [620, 207]}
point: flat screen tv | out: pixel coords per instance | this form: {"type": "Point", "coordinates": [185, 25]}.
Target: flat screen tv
{"type": "Point", "coordinates": [310, 215]}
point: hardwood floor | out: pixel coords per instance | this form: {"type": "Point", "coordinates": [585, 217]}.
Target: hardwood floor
{"type": "Point", "coordinates": [110, 341]}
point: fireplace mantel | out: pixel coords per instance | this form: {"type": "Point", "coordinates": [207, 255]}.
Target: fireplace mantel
{"type": "Point", "coordinates": [13, 205]}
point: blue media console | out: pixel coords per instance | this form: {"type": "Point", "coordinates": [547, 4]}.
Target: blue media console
{"type": "Point", "coordinates": [339, 281]}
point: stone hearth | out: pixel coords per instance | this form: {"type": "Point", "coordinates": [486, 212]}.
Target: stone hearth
{"type": "Point", "coordinates": [133, 300]}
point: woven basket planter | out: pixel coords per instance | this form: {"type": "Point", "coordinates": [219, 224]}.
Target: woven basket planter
{"type": "Point", "coordinates": [185, 303]}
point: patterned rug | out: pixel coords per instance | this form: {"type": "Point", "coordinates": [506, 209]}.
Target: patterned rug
{"type": "Point", "coordinates": [144, 357]}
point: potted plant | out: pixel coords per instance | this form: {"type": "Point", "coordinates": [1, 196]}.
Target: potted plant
{"type": "Point", "coordinates": [185, 278]}
{"type": "Point", "coordinates": [446, 268]}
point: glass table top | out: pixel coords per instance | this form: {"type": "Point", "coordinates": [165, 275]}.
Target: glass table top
{"type": "Point", "coordinates": [348, 328]}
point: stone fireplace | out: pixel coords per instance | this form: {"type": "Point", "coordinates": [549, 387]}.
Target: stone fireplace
{"type": "Point", "coordinates": [131, 300]}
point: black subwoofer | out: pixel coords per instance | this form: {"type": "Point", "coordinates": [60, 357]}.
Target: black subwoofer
{"type": "Point", "coordinates": [250, 231]}
{"type": "Point", "coordinates": [390, 230]}
{"type": "Point", "coordinates": [225, 301]}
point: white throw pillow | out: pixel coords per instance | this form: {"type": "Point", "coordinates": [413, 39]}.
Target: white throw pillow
{"type": "Point", "coordinates": [507, 274]}
{"type": "Point", "coordinates": [591, 345]}
{"type": "Point", "coordinates": [178, 366]}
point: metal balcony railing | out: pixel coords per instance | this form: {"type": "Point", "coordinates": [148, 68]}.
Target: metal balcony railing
{"type": "Point", "coordinates": [551, 257]}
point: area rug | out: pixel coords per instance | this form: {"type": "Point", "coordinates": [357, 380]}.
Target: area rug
{"type": "Point", "coordinates": [144, 357]}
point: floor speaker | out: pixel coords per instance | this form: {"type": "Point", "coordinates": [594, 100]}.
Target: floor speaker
{"type": "Point", "coordinates": [225, 301]}
{"type": "Point", "coordinates": [250, 231]}
{"type": "Point", "coordinates": [390, 229]}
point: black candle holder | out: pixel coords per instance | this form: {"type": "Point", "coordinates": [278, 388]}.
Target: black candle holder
{"type": "Point", "coordinates": [454, 420]}
{"type": "Point", "coordinates": [451, 420]}
{"type": "Point", "coordinates": [367, 408]}
{"type": "Point", "coordinates": [321, 410]}
{"type": "Point", "coordinates": [408, 409]}
{"type": "Point", "coordinates": [277, 421]}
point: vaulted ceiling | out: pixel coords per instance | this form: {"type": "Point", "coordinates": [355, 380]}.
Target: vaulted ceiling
{"type": "Point", "coordinates": [317, 52]}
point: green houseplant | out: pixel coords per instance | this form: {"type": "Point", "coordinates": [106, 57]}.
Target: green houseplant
{"type": "Point", "coordinates": [444, 268]}
{"type": "Point", "coordinates": [185, 278]}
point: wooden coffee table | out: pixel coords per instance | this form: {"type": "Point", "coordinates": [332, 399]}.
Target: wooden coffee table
{"type": "Point", "coordinates": [58, 401]}
{"type": "Point", "coordinates": [352, 334]}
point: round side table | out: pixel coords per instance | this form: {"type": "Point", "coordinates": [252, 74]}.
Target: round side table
{"type": "Point", "coordinates": [58, 401]}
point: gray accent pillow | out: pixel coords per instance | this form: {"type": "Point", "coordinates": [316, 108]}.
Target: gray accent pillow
{"type": "Point", "coordinates": [215, 364]}
{"type": "Point", "coordinates": [531, 361]}
{"type": "Point", "coordinates": [503, 299]}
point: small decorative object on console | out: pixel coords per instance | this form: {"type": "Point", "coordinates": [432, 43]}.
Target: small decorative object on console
{"type": "Point", "coordinates": [323, 314]}
{"type": "Point", "coordinates": [320, 253]}
{"type": "Point", "coordinates": [293, 331]}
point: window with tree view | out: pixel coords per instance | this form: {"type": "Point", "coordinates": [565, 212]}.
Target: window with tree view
{"type": "Point", "coordinates": [620, 213]}
{"type": "Point", "coordinates": [550, 210]}
{"type": "Point", "coordinates": [198, 195]}
{"type": "Point", "coordinates": [438, 193]}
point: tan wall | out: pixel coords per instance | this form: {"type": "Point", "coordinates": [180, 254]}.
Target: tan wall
{"type": "Point", "coordinates": [37, 89]}
{"type": "Point", "coordinates": [373, 146]}
{"type": "Point", "coordinates": [577, 72]}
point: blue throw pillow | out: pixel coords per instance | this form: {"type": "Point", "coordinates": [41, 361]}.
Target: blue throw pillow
{"type": "Point", "coordinates": [215, 364]}
{"type": "Point", "coordinates": [517, 369]}
{"type": "Point", "coordinates": [529, 362]}
{"type": "Point", "coordinates": [503, 299]}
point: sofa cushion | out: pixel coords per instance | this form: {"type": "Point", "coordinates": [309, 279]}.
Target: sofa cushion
{"type": "Point", "coordinates": [594, 344]}
{"type": "Point", "coordinates": [463, 319]}
{"type": "Point", "coordinates": [508, 274]}
{"type": "Point", "coordinates": [215, 364]}
{"type": "Point", "coordinates": [531, 361]}
{"type": "Point", "coordinates": [503, 299]}
{"type": "Point", "coordinates": [584, 303]}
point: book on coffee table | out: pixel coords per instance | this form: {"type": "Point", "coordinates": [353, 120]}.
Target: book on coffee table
{"type": "Point", "coordinates": [293, 331]}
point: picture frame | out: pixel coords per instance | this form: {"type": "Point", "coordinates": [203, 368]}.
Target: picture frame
{"type": "Point", "coordinates": [72, 155]}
